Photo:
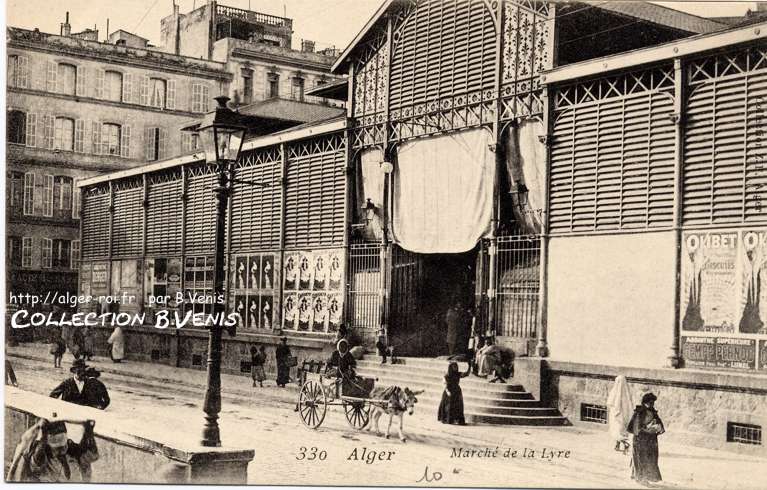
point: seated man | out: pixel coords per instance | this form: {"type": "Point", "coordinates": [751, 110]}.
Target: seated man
{"type": "Point", "coordinates": [488, 357]}
{"type": "Point", "coordinates": [342, 364]}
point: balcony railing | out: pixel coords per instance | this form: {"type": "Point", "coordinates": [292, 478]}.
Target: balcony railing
{"type": "Point", "coordinates": [250, 16]}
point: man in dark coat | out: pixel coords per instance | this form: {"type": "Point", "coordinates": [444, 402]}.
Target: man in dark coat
{"type": "Point", "coordinates": [71, 389]}
{"type": "Point", "coordinates": [95, 393]}
{"type": "Point", "coordinates": [282, 356]}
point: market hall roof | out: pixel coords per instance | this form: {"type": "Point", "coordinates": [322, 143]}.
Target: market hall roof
{"type": "Point", "coordinates": [655, 54]}
{"type": "Point", "coordinates": [641, 12]}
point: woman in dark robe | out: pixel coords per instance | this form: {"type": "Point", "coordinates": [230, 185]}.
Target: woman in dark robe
{"type": "Point", "coordinates": [282, 356]}
{"type": "Point", "coordinates": [451, 407]}
{"type": "Point", "coordinates": [646, 425]}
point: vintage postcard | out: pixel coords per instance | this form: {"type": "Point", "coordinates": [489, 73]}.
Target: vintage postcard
{"type": "Point", "coordinates": [397, 243]}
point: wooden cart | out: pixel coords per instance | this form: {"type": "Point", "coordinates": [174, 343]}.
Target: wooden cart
{"type": "Point", "coordinates": [319, 391]}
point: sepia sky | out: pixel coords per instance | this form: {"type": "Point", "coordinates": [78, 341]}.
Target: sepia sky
{"type": "Point", "coordinates": [328, 22]}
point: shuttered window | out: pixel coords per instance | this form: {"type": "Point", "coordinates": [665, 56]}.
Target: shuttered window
{"type": "Point", "coordinates": [163, 231]}
{"type": "Point", "coordinates": [612, 156]}
{"type": "Point", "coordinates": [95, 223]}
{"type": "Point", "coordinates": [443, 49]}
{"type": "Point", "coordinates": [128, 226]}
{"type": "Point", "coordinates": [201, 210]}
{"type": "Point", "coordinates": [315, 193]}
{"type": "Point", "coordinates": [725, 146]}
{"type": "Point", "coordinates": [256, 210]}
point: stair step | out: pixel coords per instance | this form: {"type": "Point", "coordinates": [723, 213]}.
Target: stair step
{"type": "Point", "coordinates": [475, 418]}
{"type": "Point", "coordinates": [478, 389]}
{"type": "Point", "coordinates": [482, 383]}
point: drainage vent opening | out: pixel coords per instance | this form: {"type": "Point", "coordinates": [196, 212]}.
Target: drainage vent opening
{"type": "Point", "coordinates": [593, 413]}
{"type": "Point", "coordinates": [744, 433]}
{"type": "Point", "coordinates": [196, 360]}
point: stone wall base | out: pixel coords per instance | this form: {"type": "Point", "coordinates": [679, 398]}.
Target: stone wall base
{"type": "Point", "coordinates": [696, 406]}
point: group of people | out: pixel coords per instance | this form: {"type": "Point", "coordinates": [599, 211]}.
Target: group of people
{"type": "Point", "coordinates": [83, 388]}
{"type": "Point", "coordinates": [81, 342]}
{"type": "Point", "coordinates": [284, 359]}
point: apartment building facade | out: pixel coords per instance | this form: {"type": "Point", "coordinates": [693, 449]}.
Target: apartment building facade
{"type": "Point", "coordinates": [77, 108]}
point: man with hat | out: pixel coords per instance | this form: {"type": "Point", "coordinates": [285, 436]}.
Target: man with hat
{"type": "Point", "coordinates": [282, 356]}
{"type": "Point", "coordinates": [71, 389]}
{"type": "Point", "coordinates": [646, 426]}
{"type": "Point", "coordinates": [46, 454]}
{"type": "Point", "coordinates": [95, 393]}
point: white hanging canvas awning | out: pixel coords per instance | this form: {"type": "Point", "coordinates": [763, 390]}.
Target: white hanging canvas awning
{"type": "Point", "coordinates": [443, 192]}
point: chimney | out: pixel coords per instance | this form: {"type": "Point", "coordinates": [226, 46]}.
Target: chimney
{"type": "Point", "coordinates": [307, 46]}
{"type": "Point", "coordinates": [66, 29]}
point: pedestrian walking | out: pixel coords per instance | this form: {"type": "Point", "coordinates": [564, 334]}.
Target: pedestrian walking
{"type": "Point", "coordinates": [646, 426]}
{"type": "Point", "coordinates": [117, 341]}
{"type": "Point", "coordinates": [283, 356]}
{"type": "Point", "coordinates": [58, 347]}
{"type": "Point", "coordinates": [257, 361]}
{"type": "Point", "coordinates": [89, 342]}
{"type": "Point", "coordinates": [76, 343]}
{"type": "Point", "coordinates": [451, 406]}
{"type": "Point", "coordinates": [619, 413]}
{"type": "Point", "coordinates": [95, 393]}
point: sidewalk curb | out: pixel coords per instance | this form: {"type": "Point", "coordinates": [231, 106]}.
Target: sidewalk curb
{"type": "Point", "coordinates": [149, 377]}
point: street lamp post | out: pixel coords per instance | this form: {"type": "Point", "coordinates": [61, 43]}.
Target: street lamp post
{"type": "Point", "coordinates": [221, 135]}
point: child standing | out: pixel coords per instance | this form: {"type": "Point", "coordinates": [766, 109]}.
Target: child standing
{"type": "Point", "coordinates": [257, 360]}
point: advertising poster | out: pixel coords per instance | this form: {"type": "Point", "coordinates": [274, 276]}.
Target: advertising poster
{"type": "Point", "coordinates": [291, 271]}
{"type": "Point", "coordinates": [305, 271]}
{"type": "Point", "coordinates": [709, 271]}
{"type": "Point", "coordinates": [267, 272]}
{"type": "Point", "coordinates": [305, 311]}
{"type": "Point", "coordinates": [320, 307]}
{"type": "Point", "coordinates": [336, 274]}
{"type": "Point", "coordinates": [763, 355]}
{"type": "Point", "coordinates": [320, 272]}
{"type": "Point", "coordinates": [719, 352]}
{"type": "Point", "coordinates": [290, 311]}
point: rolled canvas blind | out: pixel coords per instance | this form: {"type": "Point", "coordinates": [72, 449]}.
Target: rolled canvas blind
{"type": "Point", "coordinates": [164, 215]}
{"type": "Point", "coordinates": [725, 150]}
{"type": "Point", "coordinates": [256, 210]}
{"type": "Point", "coordinates": [127, 228]}
{"type": "Point", "coordinates": [444, 48]}
{"type": "Point", "coordinates": [200, 212]}
{"type": "Point", "coordinates": [95, 223]}
{"type": "Point", "coordinates": [314, 214]}
{"type": "Point", "coordinates": [612, 164]}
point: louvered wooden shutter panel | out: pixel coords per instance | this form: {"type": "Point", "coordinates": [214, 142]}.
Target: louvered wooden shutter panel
{"type": "Point", "coordinates": [95, 224]}
{"type": "Point", "coordinates": [725, 156]}
{"type": "Point", "coordinates": [256, 210]}
{"type": "Point", "coordinates": [164, 215]}
{"type": "Point", "coordinates": [315, 200]}
{"type": "Point", "coordinates": [200, 212]}
{"type": "Point", "coordinates": [443, 49]}
{"type": "Point", "coordinates": [127, 229]}
{"type": "Point", "coordinates": [612, 164]}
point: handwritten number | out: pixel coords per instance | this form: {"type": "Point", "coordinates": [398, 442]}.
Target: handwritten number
{"type": "Point", "coordinates": [428, 478]}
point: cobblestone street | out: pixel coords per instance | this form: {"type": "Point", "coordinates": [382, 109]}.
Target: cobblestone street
{"type": "Point", "coordinates": [161, 398]}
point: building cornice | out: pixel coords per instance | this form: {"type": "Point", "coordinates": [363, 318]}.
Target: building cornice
{"type": "Point", "coordinates": [274, 59]}
{"type": "Point", "coordinates": [163, 65]}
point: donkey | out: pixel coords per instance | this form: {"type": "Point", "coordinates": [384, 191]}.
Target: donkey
{"type": "Point", "coordinates": [398, 401]}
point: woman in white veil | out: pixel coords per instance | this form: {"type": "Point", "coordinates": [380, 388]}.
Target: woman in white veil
{"type": "Point", "coordinates": [620, 409]}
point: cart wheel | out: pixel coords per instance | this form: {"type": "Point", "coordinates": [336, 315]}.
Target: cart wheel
{"type": "Point", "coordinates": [312, 404]}
{"type": "Point", "coordinates": [357, 414]}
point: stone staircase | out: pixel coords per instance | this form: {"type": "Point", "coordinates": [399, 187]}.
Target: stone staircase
{"type": "Point", "coordinates": [484, 402]}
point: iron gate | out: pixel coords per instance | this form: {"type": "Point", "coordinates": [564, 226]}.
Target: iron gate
{"type": "Point", "coordinates": [365, 285]}
{"type": "Point", "coordinates": [518, 285]}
